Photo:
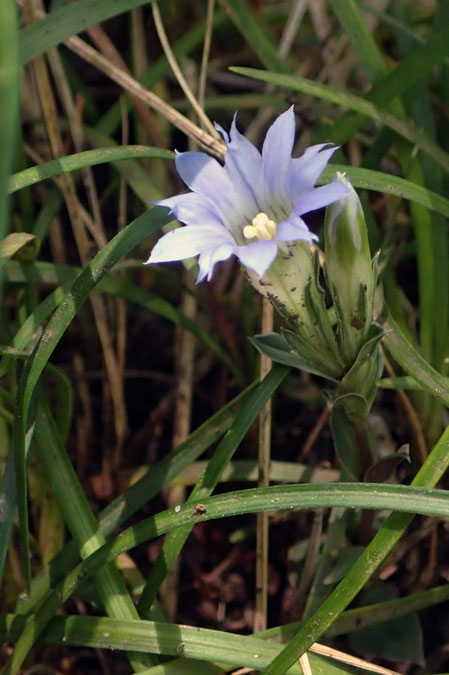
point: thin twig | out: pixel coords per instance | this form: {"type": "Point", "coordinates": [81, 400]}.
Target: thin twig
{"type": "Point", "coordinates": [337, 655]}
{"type": "Point", "coordinates": [206, 51]}
{"type": "Point", "coordinates": [305, 665]}
{"type": "Point", "coordinates": [181, 122]}
{"type": "Point", "coordinates": [131, 85]}
{"type": "Point", "coordinates": [261, 601]}
{"type": "Point", "coordinates": [205, 121]}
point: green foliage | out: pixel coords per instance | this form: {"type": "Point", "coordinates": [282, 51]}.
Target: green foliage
{"type": "Point", "coordinates": [97, 397]}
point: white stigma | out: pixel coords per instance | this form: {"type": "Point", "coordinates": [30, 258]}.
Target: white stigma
{"type": "Point", "coordinates": [262, 227]}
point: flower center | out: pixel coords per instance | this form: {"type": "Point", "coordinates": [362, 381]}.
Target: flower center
{"type": "Point", "coordinates": [262, 227]}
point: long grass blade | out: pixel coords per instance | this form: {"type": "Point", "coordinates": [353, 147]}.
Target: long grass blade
{"type": "Point", "coordinates": [80, 160]}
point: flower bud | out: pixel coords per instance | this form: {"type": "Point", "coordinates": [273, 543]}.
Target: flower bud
{"type": "Point", "coordinates": [350, 273]}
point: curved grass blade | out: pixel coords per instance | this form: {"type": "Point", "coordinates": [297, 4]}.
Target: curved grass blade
{"type": "Point", "coordinates": [405, 500]}
{"type": "Point", "coordinates": [118, 247]}
{"type": "Point", "coordinates": [113, 634]}
{"type": "Point", "coordinates": [169, 639]}
{"type": "Point", "coordinates": [80, 160]}
{"type": "Point", "coordinates": [356, 103]}
{"type": "Point", "coordinates": [414, 364]}
{"type": "Point", "coordinates": [51, 273]}
{"type": "Point", "coordinates": [138, 494]}
{"type": "Point", "coordinates": [369, 561]}
{"type": "Point", "coordinates": [368, 179]}
{"type": "Point", "coordinates": [80, 520]}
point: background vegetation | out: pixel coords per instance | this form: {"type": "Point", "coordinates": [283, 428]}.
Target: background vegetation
{"type": "Point", "coordinates": [126, 390]}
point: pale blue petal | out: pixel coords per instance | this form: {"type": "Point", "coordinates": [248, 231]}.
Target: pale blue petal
{"type": "Point", "coordinates": [238, 173]}
{"type": "Point", "coordinates": [305, 170]}
{"type": "Point", "coordinates": [277, 152]}
{"type": "Point", "coordinates": [207, 177]}
{"type": "Point", "coordinates": [294, 229]}
{"type": "Point", "coordinates": [192, 209]}
{"type": "Point", "coordinates": [208, 259]}
{"type": "Point", "coordinates": [247, 160]}
{"type": "Point", "coordinates": [258, 256]}
{"type": "Point", "coordinates": [186, 242]}
{"type": "Point", "coordinates": [319, 197]}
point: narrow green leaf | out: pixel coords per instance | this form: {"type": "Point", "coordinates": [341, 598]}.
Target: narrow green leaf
{"type": "Point", "coordinates": [414, 364]}
{"type": "Point", "coordinates": [382, 182]}
{"type": "Point", "coordinates": [81, 521]}
{"type": "Point", "coordinates": [222, 647]}
{"type": "Point", "coordinates": [20, 245]}
{"type": "Point", "coordinates": [209, 480]}
{"type": "Point", "coordinates": [9, 98]}
{"type": "Point", "coordinates": [80, 160]}
{"type": "Point", "coordinates": [138, 494]}
{"type": "Point", "coordinates": [356, 103]}
{"type": "Point", "coordinates": [118, 247]}
{"type": "Point", "coordinates": [407, 500]}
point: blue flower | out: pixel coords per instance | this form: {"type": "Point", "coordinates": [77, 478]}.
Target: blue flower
{"type": "Point", "coordinates": [251, 207]}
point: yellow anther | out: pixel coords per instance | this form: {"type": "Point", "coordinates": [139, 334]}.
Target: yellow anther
{"type": "Point", "coordinates": [262, 227]}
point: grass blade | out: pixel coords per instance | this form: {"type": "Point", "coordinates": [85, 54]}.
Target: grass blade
{"type": "Point", "coordinates": [132, 499]}
{"type": "Point", "coordinates": [356, 103]}
{"type": "Point", "coordinates": [406, 500]}
{"type": "Point", "coordinates": [9, 100]}
{"type": "Point", "coordinates": [80, 160]}
{"type": "Point", "coordinates": [118, 247]}
{"type": "Point", "coordinates": [209, 480]}
{"type": "Point", "coordinates": [81, 521]}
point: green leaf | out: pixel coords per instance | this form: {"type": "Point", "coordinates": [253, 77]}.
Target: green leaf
{"type": "Point", "coordinates": [209, 480]}
{"type": "Point", "coordinates": [9, 98]}
{"type": "Point", "coordinates": [118, 247]}
{"type": "Point", "coordinates": [407, 499]}
{"type": "Point", "coordinates": [413, 363]}
{"type": "Point", "coordinates": [81, 521]}
{"type": "Point", "coordinates": [392, 185]}
{"type": "Point", "coordinates": [80, 160]}
{"type": "Point", "coordinates": [22, 246]}
{"type": "Point", "coordinates": [356, 103]}
{"type": "Point", "coordinates": [344, 439]}
{"type": "Point", "coordinates": [395, 640]}
{"type": "Point", "coordinates": [203, 644]}
{"type": "Point", "coordinates": [277, 348]}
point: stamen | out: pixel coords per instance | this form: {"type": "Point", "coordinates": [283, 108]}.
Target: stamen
{"type": "Point", "coordinates": [262, 227]}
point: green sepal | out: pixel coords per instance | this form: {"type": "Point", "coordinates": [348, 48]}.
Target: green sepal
{"type": "Point", "coordinates": [367, 366]}
{"type": "Point", "coordinates": [278, 349]}
{"type": "Point", "coordinates": [314, 298]}
{"type": "Point", "coordinates": [343, 432]}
